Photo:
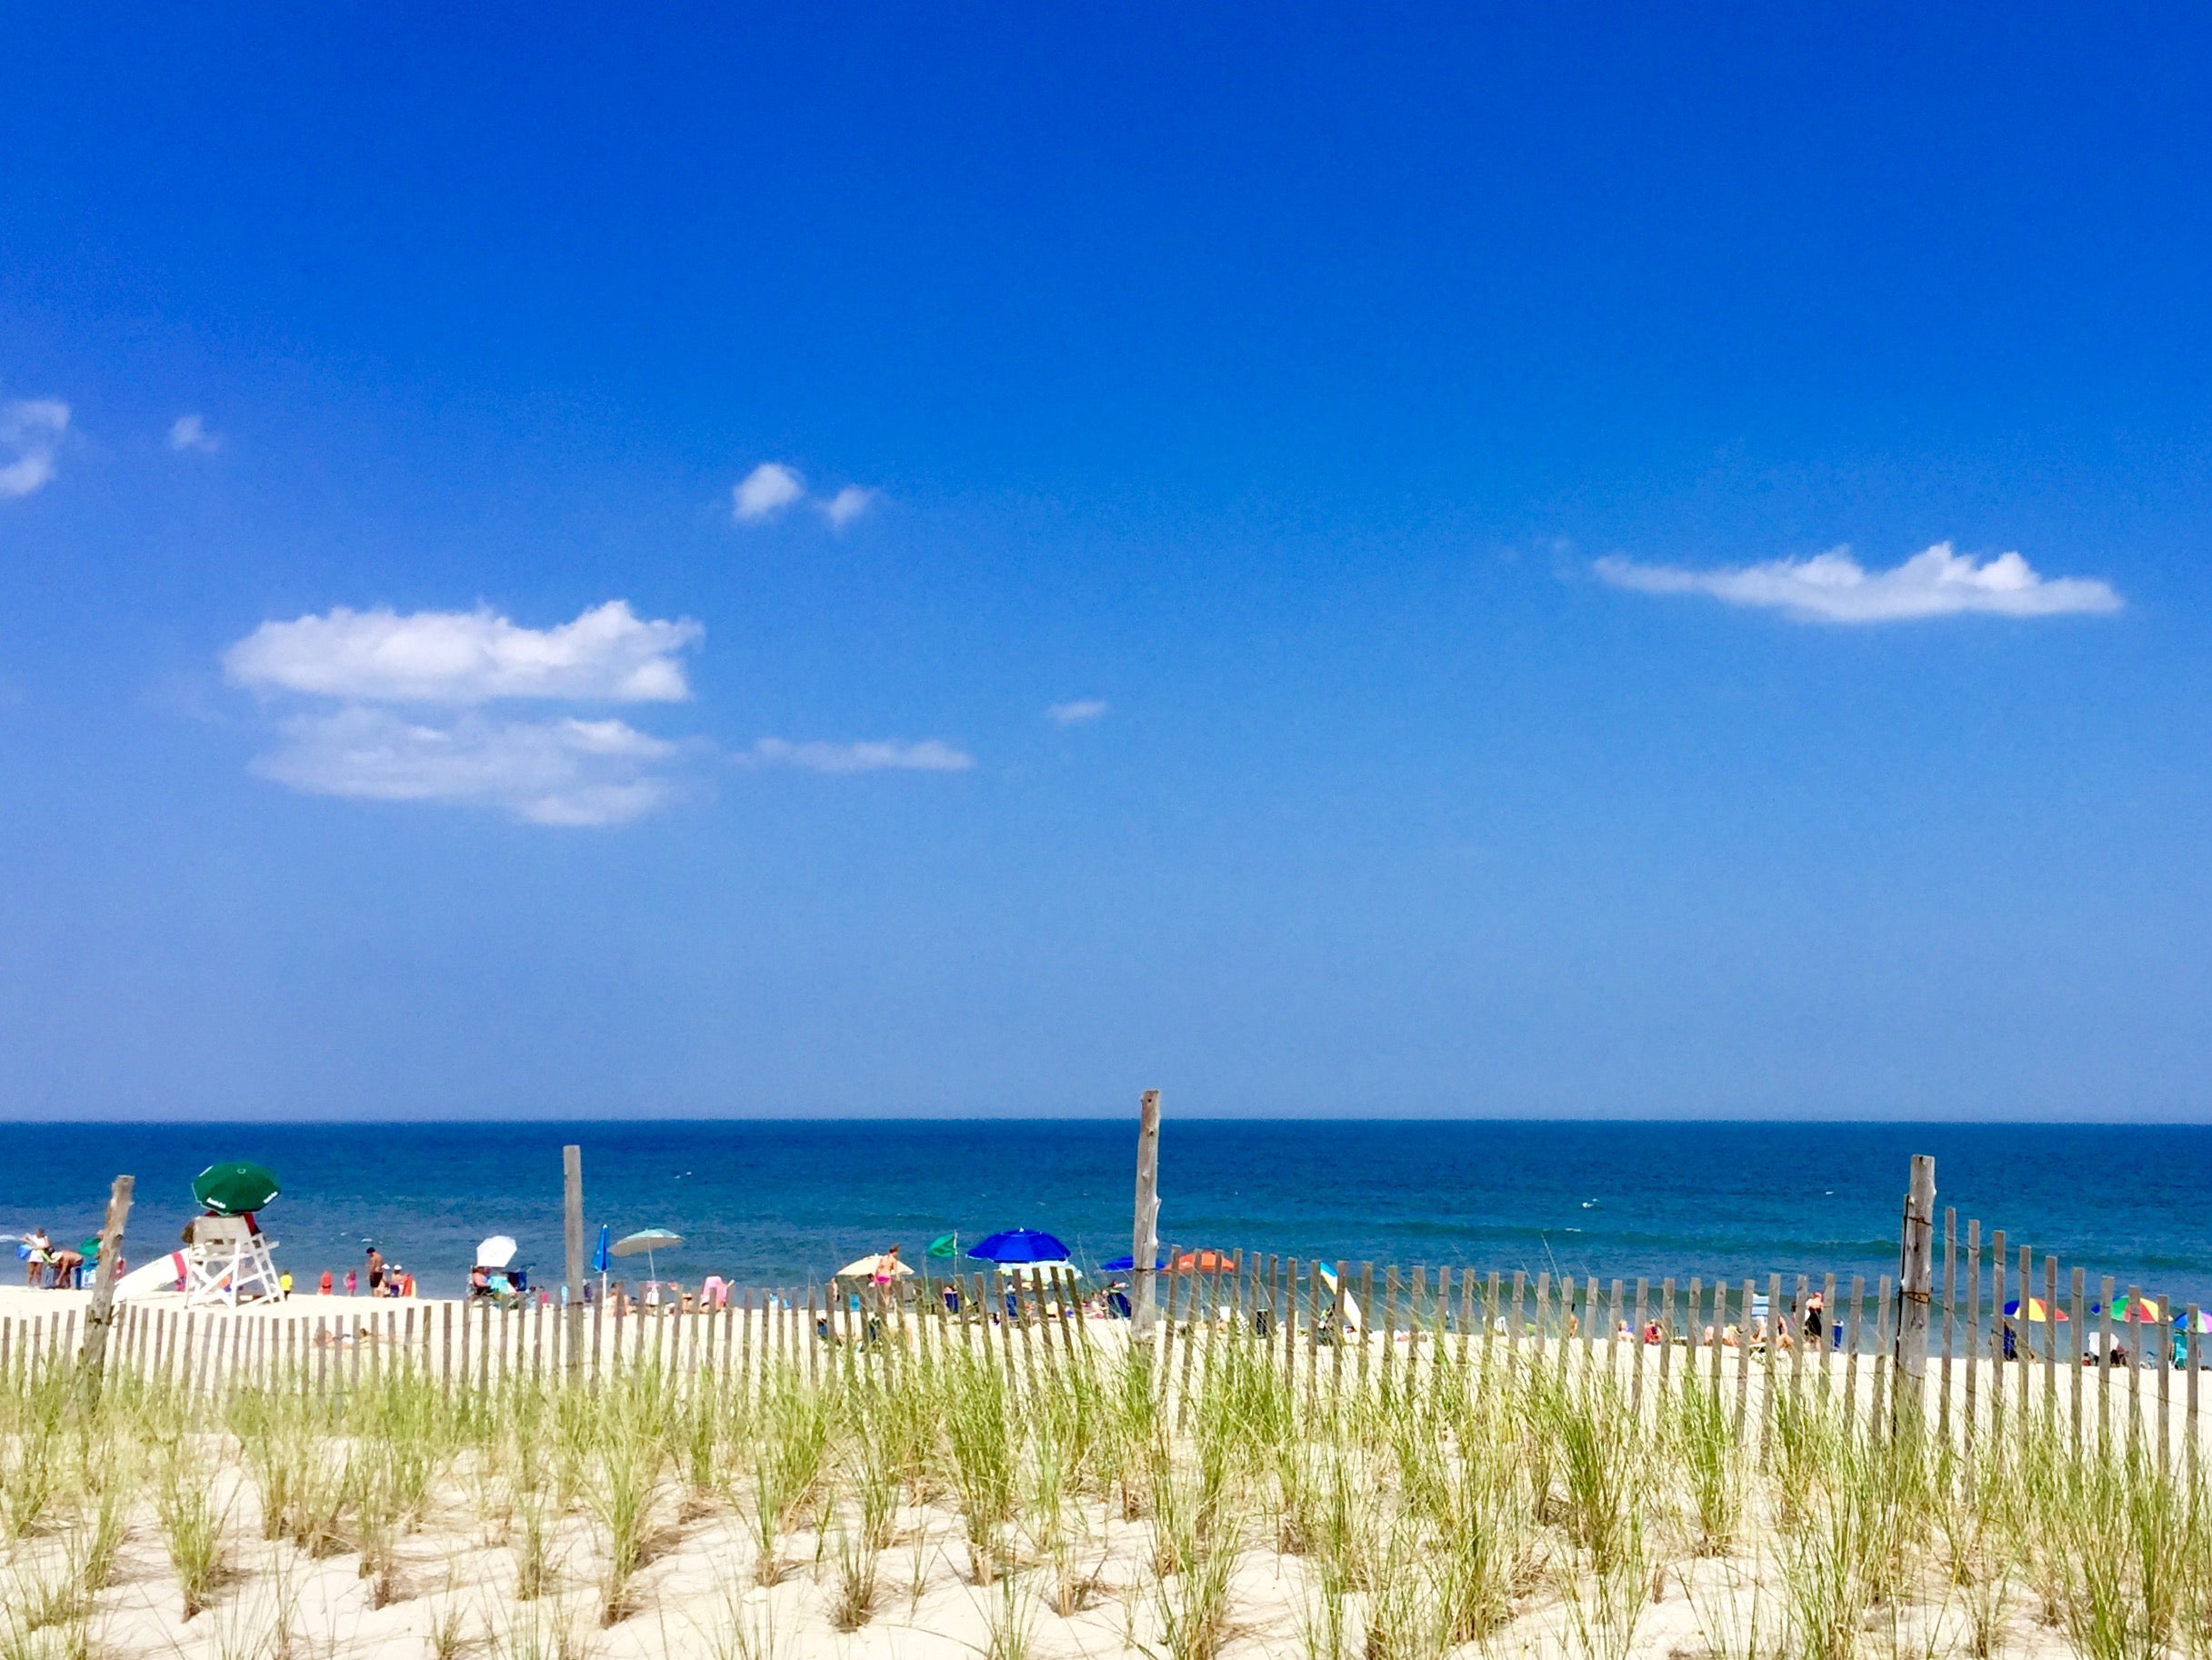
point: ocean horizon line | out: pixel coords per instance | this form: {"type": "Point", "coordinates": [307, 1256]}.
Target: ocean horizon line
{"type": "Point", "coordinates": [680, 1119]}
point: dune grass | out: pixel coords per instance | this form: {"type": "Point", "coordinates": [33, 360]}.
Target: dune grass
{"type": "Point", "coordinates": [1436, 1509]}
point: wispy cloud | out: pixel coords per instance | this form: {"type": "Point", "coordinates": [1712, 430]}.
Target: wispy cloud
{"type": "Point", "coordinates": [189, 431]}
{"type": "Point", "coordinates": [764, 492]}
{"type": "Point", "coordinates": [771, 486]}
{"type": "Point", "coordinates": [1075, 713]}
{"type": "Point", "coordinates": [551, 772]}
{"type": "Point", "coordinates": [928, 756]}
{"type": "Point", "coordinates": [608, 654]}
{"type": "Point", "coordinates": [846, 505]}
{"type": "Point", "coordinates": [31, 433]}
{"type": "Point", "coordinates": [1833, 587]}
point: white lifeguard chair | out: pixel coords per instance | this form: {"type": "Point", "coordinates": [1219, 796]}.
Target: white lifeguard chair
{"type": "Point", "coordinates": [228, 1263]}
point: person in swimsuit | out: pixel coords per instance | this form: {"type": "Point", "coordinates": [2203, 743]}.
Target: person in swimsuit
{"type": "Point", "coordinates": [376, 1272]}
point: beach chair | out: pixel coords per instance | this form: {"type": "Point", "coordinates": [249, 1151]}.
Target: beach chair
{"type": "Point", "coordinates": [227, 1263]}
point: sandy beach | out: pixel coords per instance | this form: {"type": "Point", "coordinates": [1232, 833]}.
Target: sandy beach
{"type": "Point", "coordinates": [926, 1489]}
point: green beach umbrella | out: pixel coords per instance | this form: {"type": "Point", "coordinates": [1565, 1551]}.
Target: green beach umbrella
{"type": "Point", "coordinates": [234, 1188]}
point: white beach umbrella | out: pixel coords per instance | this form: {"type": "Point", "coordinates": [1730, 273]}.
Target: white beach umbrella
{"type": "Point", "coordinates": [496, 1252]}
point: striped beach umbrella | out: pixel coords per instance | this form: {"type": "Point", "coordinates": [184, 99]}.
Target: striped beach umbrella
{"type": "Point", "coordinates": [2139, 1310]}
{"type": "Point", "coordinates": [2038, 1312]}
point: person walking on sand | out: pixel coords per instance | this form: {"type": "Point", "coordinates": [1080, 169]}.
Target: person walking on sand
{"type": "Point", "coordinates": [376, 1272]}
{"type": "Point", "coordinates": [37, 1251]}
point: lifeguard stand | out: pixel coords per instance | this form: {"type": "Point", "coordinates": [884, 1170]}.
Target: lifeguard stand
{"type": "Point", "coordinates": [228, 1263]}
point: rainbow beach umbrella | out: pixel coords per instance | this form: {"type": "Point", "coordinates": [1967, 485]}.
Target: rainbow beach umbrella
{"type": "Point", "coordinates": [2038, 1312]}
{"type": "Point", "coordinates": [2204, 1321]}
{"type": "Point", "coordinates": [2137, 1310]}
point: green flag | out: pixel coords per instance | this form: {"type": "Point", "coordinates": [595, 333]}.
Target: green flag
{"type": "Point", "coordinates": [945, 1244]}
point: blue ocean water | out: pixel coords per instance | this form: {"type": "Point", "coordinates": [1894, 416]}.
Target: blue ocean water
{"type": "Point", "coordinates": [786, 1203]}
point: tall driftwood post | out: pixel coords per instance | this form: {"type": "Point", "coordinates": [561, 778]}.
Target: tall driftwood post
{"type": "Point", "coordinates": [572, 1225]}
{"type": "Point", "coordinates": [1145, 1247]}
{"type": "Point", "coordinates": [1915, 1286]}
{"type": "Point", "coordinates": [93, 1356]}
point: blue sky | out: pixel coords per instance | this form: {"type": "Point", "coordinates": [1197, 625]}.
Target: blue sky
{"type": "Point", "coordinates": [803, 560]}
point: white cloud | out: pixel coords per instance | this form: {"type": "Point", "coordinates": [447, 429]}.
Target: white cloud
{"type": "Point", "coordinates": [607, 654]}
{"type": "Point", "coordinates": [764, 492]}
{"type": "Point", "coordinates": [554, 771]}
{"type": "Point", "coordinates": [1081, 710]}
{"type": "Point", "coordinates": [1833, 587]}
{"type": "Point", "coordinates": [929, 755]}
{"type": "Point", "coordinates": [771, 486]}
{"type": "Point", "coordinates": [190, 432]}
{"type": "Point", "coordinates": [846, 505]}
{"type": "Point", "coordinates": [30, 436]}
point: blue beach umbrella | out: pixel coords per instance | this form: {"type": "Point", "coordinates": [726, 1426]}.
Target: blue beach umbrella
{"type": "Point", "coordinates": [1020, 1244]}
{"type": "Point", "coordinates": [1125, 1263]}
{"type": "Point", "coordinates": [600, 1261]}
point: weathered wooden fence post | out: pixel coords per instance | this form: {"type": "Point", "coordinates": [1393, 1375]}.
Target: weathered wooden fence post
{"type": "Point", "coordinates": [1145, 1249]}
{"type": "Point", "coordinates": [1916, 1285]}
{"type": "Point", "coordinates": [93, 1356]}
{"type": "Point", "coordinates": [572, 1172]}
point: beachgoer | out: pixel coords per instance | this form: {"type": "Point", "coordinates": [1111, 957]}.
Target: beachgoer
{"type": "Point", "coordinates": [353, 1282]}
{"type": "Point", "coordinates": [479, 1282]}
{"type": "Point", "coordinates": [37, 1250]}
{"type": "Point", "coordinates": [1813, 1306]}
{"type": "Point", "coordinates": [284, 1282]}
{"type": "Point", "coordinates": [324, 1288]}
{"type": "Point", "coordinates": [376, 1272]}
{"type": "Point", "coordinates": [67, 1262]}
{"type": "Point", "coordinates": [887, 1266]}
